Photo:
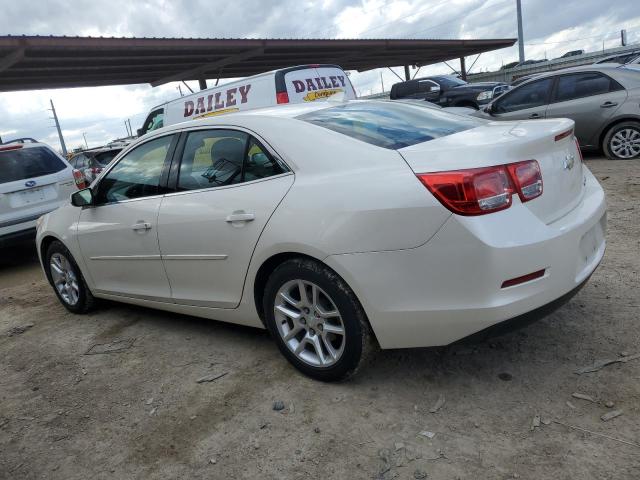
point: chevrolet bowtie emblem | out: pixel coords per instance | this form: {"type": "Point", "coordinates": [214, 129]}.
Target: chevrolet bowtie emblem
{"type": "Point", "coordinates": [568, 162]}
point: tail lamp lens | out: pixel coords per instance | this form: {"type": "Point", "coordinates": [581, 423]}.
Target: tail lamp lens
{"type": "Point", "coordinates": [78, 177]}
{"type": "Point", "coordinates": [479, 191]}
{"type": "Point", "coordinates": [282, 97]}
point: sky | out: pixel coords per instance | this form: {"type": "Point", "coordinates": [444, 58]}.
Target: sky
{"type": "Point", "coordinates": [551, 28]}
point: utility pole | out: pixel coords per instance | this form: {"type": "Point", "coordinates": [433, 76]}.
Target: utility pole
{"type": "Point", "coordinates": [55, 119]}
{"type": "Point", "coordinates": [85, 140]}
{"type": "Point", "coordinates": [382, 82]}
{"type": "Point", "coordinates": [520, 34]}
{"type": "Point", "coordinates": [130, 128]}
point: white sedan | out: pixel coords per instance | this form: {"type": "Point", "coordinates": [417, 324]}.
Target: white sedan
{"type": "Point", "coordinates": [336, 226]}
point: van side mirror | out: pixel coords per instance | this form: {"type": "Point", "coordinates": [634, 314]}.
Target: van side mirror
{"type": "Point", "coordinates": [82, 198]}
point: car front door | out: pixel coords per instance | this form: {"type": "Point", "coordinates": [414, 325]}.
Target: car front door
{"type": "Point", "coordinates": [228, 185]}
{"type": "Point", "coordinates": [528, 101]}
{"type": "Point", "coordinates": [589, 99]}
{"type": "Point", "coordinates": [118, 234]}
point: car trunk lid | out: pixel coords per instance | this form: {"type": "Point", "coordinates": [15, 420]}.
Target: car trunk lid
{"type": "Point", "coordinates": [550, 142]}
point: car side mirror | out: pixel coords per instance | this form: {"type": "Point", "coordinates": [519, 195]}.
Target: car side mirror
{"type": "Point", "coordinates": [82, 198]}
{"type": "Point", "coordinates": [140, 132]}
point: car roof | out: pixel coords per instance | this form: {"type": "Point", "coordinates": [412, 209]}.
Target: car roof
{"type": "Point", "coordinates": [601, 67]}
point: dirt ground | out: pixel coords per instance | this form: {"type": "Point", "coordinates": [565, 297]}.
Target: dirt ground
{"type": "Point", "coordinates": [115, 394]}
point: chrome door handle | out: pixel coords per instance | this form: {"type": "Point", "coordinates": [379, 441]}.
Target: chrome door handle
{"type": "Point", "coordinates": [608, 104]}
{"type": "Point", "coordinates": [141, 226]}
{"type": "Point", "coordinates": [534, 115]}
{"type": "Point", "coordinates": [241, 217]}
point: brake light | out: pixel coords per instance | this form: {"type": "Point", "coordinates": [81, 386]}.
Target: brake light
{"type": "Point", "coordinates": [11, 147]}
{"type": "Point", "coordinates": [479, 191]}
{"type": "Point", "coordinates": [527, 178]}
{"type": "Point", "coordinates": [282, 97]}
{"type": "Point", "coordinates": [562, 135]}
{"type": "Point", "coordinates": [78, 177]}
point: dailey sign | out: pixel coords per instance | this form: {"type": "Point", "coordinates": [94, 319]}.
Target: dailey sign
{"type": "Point", "coordinates": [304, 83]}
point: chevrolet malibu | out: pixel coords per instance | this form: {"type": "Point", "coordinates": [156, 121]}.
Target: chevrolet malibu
{"type": "Point", "coordinates": [336, 226]}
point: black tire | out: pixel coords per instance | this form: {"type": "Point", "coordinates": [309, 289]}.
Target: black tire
{"type": "Point", "coordinates": [85, 301]}
{"type": "Point", "coordinates": [358, 340]}
{"type": "Point", "coordinates": [607, 142]}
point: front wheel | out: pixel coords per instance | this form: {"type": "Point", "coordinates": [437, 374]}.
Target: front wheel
{"type": "Point", "coordinates": [622, 142]}
{"type": "Point", "coordinates": [67, 280]}
{"type": "Point", "coordinates": [316, 320]}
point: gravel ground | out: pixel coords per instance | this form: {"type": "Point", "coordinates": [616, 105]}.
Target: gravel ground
{"type": "Point", "coordinates": [115, 394]}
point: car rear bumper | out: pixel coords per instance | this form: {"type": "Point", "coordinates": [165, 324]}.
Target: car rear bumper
{"type": "Point", "coordinates": [451, 287]}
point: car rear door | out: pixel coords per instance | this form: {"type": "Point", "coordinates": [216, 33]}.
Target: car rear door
{"type": "Point", "coordinates": [118, 235]}
{"type": "Point", "coordinates": [589, 99]}
{"type": "Point", "coordinates": [528, 101]}
{"type": "Point", "coordinates": [228, 185]}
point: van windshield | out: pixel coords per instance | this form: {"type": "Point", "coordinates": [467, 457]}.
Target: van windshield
{"type": "Point", "coordinates": [26, 163]}
{"type": "Point", "coordinates": [391, 125]}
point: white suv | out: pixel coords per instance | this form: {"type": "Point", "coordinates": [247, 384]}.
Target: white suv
{"type": "Point", "coordinates": [34, 180]}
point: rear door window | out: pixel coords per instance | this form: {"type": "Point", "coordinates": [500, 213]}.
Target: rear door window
{"type": "Point", "coordinates": [24, 163]}
{"type": "Point", "coordinates": [390, 124]}
{"type": "Point", "coordinates": [585, 84]}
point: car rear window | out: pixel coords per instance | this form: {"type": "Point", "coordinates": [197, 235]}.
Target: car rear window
{"type": "Point", "coordinates": [104, 158]}
{"type": "Point", "coordinates": [26, 163]}
{"type": "Point", "coordinates": [389, 124]}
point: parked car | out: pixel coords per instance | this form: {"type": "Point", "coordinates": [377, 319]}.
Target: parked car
{"type": "Point", "coordinates": [572, 53]}
{"type": "Point", "coordinates": [448, 91]}
{"type": "Point", "coordinates": [34, 180]}
{"type": "Point", "coordinates": [530, 62]}
{"type": "Point", "coordinates": [509, 65]}
{"type": "Point", "coordinates": [522, 79]}
{"type": "Point", "coordinates": [299, 84]}
{"type": "Point", "coordinates": [92, 162]}
{"type": "Point", "coordinates": [601, 99]}
{"type": "Point", "coordinates": [334, 224]}
{"type": "Point", "coordinates": [622, 58]}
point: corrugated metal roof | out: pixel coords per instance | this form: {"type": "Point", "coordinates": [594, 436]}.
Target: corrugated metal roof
{"type": "Point", "coordinates": [35, 62]}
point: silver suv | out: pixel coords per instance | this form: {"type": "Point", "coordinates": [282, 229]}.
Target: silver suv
{"type": "Point", "coordinates": [603, 100]}
{"type": "Point", "coordinates": [34, 180]}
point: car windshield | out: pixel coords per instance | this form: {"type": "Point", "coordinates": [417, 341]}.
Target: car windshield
{"type": "Point", "coordinates": [389, 124]}
{"type": "Point", "coordinates": [24, 163]}
{"type": "Point", "coordinates": [450, 81]}
{"type": "Point", "coordinates": [104, 158]}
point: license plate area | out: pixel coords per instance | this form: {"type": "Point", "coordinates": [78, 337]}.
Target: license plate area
{"type": "Point", "coordinates": [29, 197]}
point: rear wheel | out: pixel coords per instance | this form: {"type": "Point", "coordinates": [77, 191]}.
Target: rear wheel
{"type": "Point", "coordinates": [67, 280]}
{"type": "Point", "coordinates": [622, 141]}
{"type": "Point", "coordinates": [316, 320]}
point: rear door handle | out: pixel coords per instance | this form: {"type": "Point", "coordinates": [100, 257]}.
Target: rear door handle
{"type": "Point", "coordinates": [141, 226]}
{"type": "Point", "coordinates": [241, 217]}
{"type": "Point", "coordinates": [534, 115]}
{"type": "Point", "coordinates": [608, 104]}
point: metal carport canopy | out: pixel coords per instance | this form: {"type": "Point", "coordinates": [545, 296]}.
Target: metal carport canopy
{"type": "Point", "coordinates": [37, 62]}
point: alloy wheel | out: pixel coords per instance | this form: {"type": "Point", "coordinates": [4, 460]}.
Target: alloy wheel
{"type": "Point", "coordinates": [64, 278]}
{"type": "Point", "coordinates": [625, 143]}
{"type": "Point", "coordinates": [309, 323]}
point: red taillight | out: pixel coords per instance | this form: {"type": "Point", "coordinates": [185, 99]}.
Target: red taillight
{"type": "Point", "coordinates": [282, 97]}
{"type": "Point", "coordinates": [527, 178]}
{"type": "Point", "coordinates": [78, 176]}
{"type": "Point", "coordinates": [478, 191]}
{"type": "Point", "coordinates": [562, 135]}
{"type": "Point", "coordinates": [10, 147]}
{"type": "Point", "coordinates": [96, 170]}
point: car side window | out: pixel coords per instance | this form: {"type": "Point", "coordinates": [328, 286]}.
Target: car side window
{"type": "Point", "coordinates": [259, 163]}
{"type": "Point", "coordinates": [530, 95]}
{"type": "Point", "coordinates": [137, 174]}
{"type": "Point", "coordinates": [214, 158]}
{"type": "Point", "coordinates": [585, 84]}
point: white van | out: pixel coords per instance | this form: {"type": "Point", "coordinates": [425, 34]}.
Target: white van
{"type": "Point", "coordinates": [304, 83]}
